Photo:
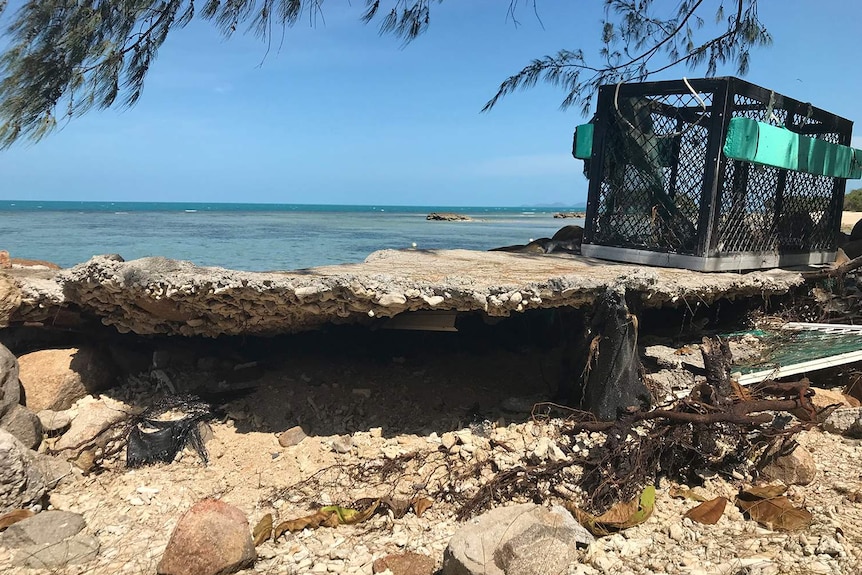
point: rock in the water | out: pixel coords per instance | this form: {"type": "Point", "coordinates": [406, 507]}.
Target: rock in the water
{"type": "Point", "coordinates": [56, 378]}
{"type": "Point", "coordinates": [405, 564]}
{"type": "Point", "coordinates": [10, 387]}
{"type": "Point", "coordinates": [292, 436]}
{"type": "Point", "coordinates": [73, 551]}
{"type": "Point", "coordinates": [5, 260]}
{"type": "Point", "coordinates": [447, 217]}
{"type": "Point", "coordinates": [846, 421]}
{"type": "Point", "coordinates": [211, 538]}
{"type": "Point", "coordinates": [522, 539]}
{"type": "Point", "coordinates": [54, 421]}
{"type": "Point", "coordinates": [23, 424]}
{"type": "Point", "coordinates": [43, 528]}
{"type": "Point", "coordinates": [22, 480]}
{"type": "Point", "coordinates": [795, 468]}
{"type": "Point", "coordinates": [10, 299]}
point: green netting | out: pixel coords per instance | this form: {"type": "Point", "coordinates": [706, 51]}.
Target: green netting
{"type": "Point", "coordinates": [784, 348]}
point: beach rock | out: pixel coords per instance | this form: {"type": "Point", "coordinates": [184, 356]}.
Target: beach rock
{"type": "Point", "coordinates": [564, 215]}
{"type": "Point", "coordinates": [845, 421]}
{"type": "Point", "coordinates": [522, 539]}
{"type": "Point", "coordinates": [292, 436]}
{"type": "Point", "coordinates": [45, 527]}
{"type": "Point", "coordinates": [23, 424]}
{"type": "Point", "coordinates": [10, 299]}
{"type": "Point", "coordinates": [447, 217]}
{"type": "Point", "coordinates": [54, 421]}
{"type": "Point", "coordinates": [73, 551]}
{"type": "Point", "coordinates": [22, 481]}
{"type": "Point", "coordinates": [405, 564]}
{"type": "Point", "coordinates": [795, 468]}
{"type": "Point", "coordinates": [211, 538]}
{"type": "Point", "coordinates": [10, 387]}
{"type": "Point", "coordinates": [56, 378]}
{"type": "Point", "coordinates": [94, 417]}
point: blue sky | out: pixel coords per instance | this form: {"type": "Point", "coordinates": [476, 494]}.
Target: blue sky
{"type": "Point", "coordinates": [342, 115]}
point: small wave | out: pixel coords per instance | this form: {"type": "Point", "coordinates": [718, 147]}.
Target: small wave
{"type": "Point", "coordinates": [190, 211]}
{"type": "Point", "coordinates": [121, 213]}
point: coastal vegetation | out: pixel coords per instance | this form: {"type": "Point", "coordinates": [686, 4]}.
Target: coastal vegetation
{"type": "Point", "coordinates": [62, 59]}
{"type": "Point", "coordinates": [853, 200]}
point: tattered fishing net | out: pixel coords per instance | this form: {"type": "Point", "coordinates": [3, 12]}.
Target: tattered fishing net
{"type": "Point", "coordinates": [167, 427]}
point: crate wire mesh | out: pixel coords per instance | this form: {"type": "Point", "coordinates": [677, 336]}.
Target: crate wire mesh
{"type": "Point", "coordinates": [662, 193]}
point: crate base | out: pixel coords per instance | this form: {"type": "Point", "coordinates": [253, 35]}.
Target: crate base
{"type": "Point", "coordinates": [730, 263]}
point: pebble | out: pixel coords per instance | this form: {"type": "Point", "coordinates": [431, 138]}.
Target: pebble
{"type": "Point", "coordinates": [342, 444]}
{"type": "Point", "coordinates": [448, 440]}
{"type": "Point", "coordinates": [292, 436]}
{"type": "Point", "coordinates": [829, 546]}
{"type": "Point", "coordinates": [818, 568]}
{"type": "Point", "coordinates": [676, 532]}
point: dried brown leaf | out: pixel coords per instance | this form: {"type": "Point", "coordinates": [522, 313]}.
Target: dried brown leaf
{"type": "Point", "coordinates": [621, 516]}
{"type": "Point", "coordinates": [708, 512]}
{"type": "Point", "coordinates": [399, 507]}
{"type": "Point", "coordinates": [763, 491]}
{"type": "Point", "coordinates": [313, 521]}
{"type": "Point", "coordinates": [742, 393]}
{"type": "Point", "coordinates": [13, 517]}
{"type": "Point", "coordinates": [774, 511]}
{"type": "Point", "coordinates": [420, 505]}
{"type": "Point", "coordinates": [263, 530]}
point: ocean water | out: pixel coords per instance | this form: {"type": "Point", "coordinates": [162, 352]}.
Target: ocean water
{"type": "Point", "coordinates": [256, 237]}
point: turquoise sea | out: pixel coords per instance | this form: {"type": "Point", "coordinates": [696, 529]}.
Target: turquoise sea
{"type": "Point", "coordinates": [256, 237]}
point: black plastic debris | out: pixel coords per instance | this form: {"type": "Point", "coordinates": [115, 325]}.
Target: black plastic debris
{"type": "Point", "coordinates": [165, 428]}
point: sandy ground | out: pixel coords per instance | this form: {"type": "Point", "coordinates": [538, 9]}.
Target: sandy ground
{"type": "Point", "coordinates": [401, 399]}
{"type": "Point", "coordinates": [849, 219]}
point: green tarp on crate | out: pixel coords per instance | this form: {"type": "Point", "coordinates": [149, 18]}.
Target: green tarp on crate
{"type": "Point", "coordinates": [760, 143]}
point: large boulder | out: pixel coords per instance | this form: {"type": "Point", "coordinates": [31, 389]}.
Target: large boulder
{"type": "Point", "coordinates": [22, 479]}
{"type": "Point", "coordinates": [211, 538]}
{"type": "Point", "coordinates": [794, 468]}
{"type": "Point", "coordinates": [15, 418]}
{"type": "Point", "coordinates": [10, 298]}
{"type": "Point", "coordinates": [524, 539]}
{"type": "Point", "coordinates": [10, 387]}
{"type": "Point", "coordinates": [45, 527]}
{"type": "Point", "coordinates": [23, 424]}
{"type": "Point", "coordinates": [50, 540]}
{"type": "Point", "coordinates": [56, 378]}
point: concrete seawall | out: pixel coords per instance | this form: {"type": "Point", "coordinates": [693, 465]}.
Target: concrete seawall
{"type": "Point", "coordinates": [161, 296]}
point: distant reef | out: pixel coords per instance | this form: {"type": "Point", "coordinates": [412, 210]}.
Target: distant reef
{"type": "Point", "coordinates": [448, 217]}
{"type": "Point", "coordinates": [577, 215]}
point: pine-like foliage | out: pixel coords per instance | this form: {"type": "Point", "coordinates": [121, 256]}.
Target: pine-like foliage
{"type": "Point", "coordinates": [641, 38]}
{"type": "Point", "coordinates": [65, 57]}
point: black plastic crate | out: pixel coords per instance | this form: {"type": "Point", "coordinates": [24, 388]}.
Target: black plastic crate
{"type": "Point", "coordinates": [662, 192]}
